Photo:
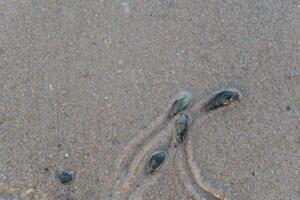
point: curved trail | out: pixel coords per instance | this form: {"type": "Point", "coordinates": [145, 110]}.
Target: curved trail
{"type": "Point", "coordinates": [131, 180]}
{"type": "Point", "coordinates": [162, 140]}
{"type": "Point", "coordinates": [132, 149]}
{"type": "Point", "coordinates": [139, 143]}
{"type": "Point", "coordinates": [135, 169]}
{"type": "Point", "coordinates": [188, 180]}
{"type": "Point", "coordinates": [190, 163]}
{"type": "Point", "coordinates": [150, 180]}
{"type": "Point", "coordinates": [196, 173]}
{"type": "Point", "coordinates": [142, 186]}
{"type": "Point", "coordinates": [141, 139]}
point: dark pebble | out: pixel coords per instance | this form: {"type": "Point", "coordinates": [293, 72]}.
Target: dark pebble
{"type": "Point", "coordinates": [65, 177]}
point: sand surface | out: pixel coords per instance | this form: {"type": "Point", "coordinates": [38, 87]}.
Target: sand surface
{"type": "Point", "coordinates": [82, 80]}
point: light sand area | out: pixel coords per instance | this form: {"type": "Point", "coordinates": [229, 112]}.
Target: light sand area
{"type": "Point", "coordinates": [80, 80]}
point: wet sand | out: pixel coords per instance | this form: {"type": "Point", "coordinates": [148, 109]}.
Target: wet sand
{"type": "Point", "coordinates": [81, 81]}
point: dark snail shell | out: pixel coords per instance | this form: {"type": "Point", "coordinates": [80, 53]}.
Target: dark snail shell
{"type": "Point", "coordinates": [155, 161]}
{"type": "Point", "coordinates": [181, 127]}
{"type": "Point", "coordinates": [182, 101]}
{"type": "Point", "coordinates": [221, 99]}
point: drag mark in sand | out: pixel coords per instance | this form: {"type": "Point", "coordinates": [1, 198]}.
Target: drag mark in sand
{"type": "Point", "coordinates": [146, 154]}
{"type": "Point", "coordinates": [181, 101]}
{"type": "Point", "coordinates": [136, 170]}
{"type": "Point", "coordinates": [144, 144]}
{"type": "Point", "coordinates": [196, 173]}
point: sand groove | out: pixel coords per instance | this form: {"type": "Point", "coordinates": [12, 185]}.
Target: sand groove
{"type": "Point", "coordinates": [132, 179]}
{"type": "Point", "coordinates": [196, 173]}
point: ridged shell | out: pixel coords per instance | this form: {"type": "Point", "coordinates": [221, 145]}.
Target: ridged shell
{"type": "Point", "coordinates": [182, 101]}
{"type": "Point", "coordinates": [221, 99]}
{"type": "Point", "coordinates": [181, 127]}
{"type": "Point", "coordinates": [155, 161]}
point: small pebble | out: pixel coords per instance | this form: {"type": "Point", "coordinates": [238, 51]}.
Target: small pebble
{"type": "Point", "coordinates": [65, 177]}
